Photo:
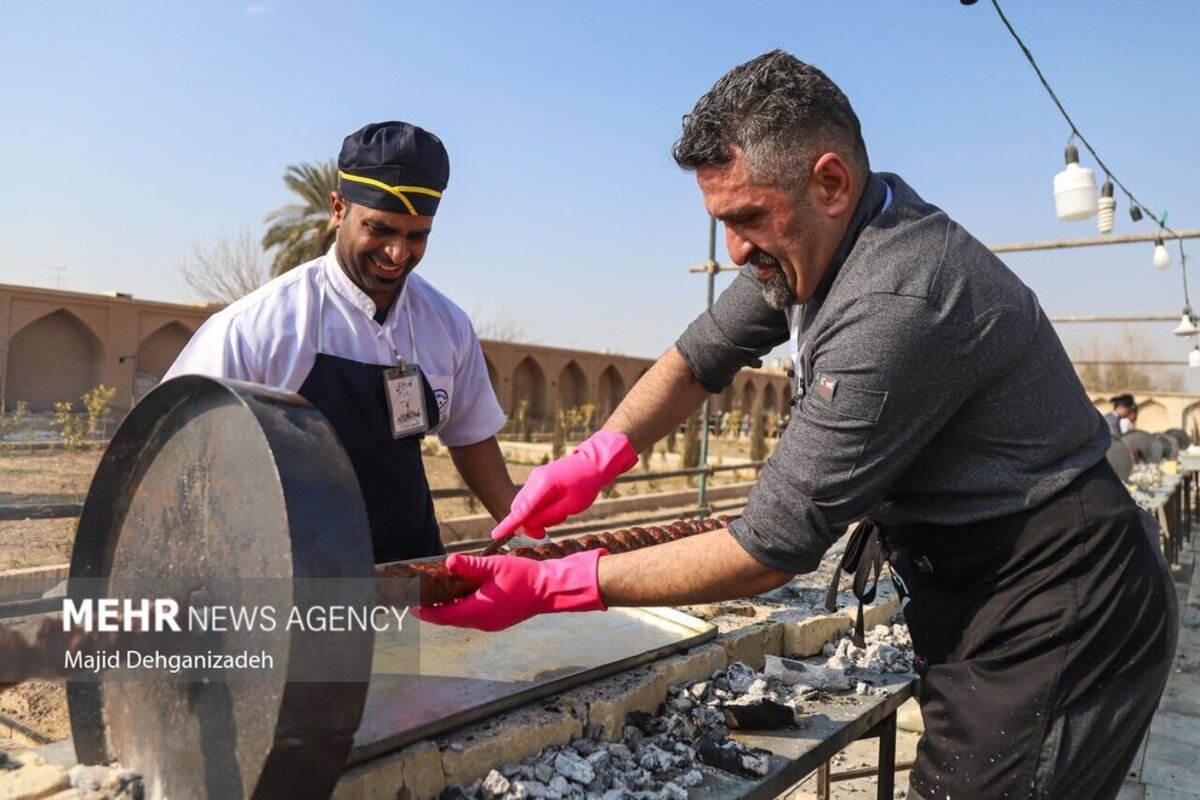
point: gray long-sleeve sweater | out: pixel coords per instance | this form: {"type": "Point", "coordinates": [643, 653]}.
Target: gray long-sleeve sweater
{"type": "Point", "coordinates": [934, 388]}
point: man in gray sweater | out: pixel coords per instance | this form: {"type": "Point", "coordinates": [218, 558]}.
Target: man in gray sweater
{"type": "Point", "coordinates": [933, 399]}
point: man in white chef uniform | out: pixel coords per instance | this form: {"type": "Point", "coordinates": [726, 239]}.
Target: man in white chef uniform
{"type": "Point", "coordinates": [385, 356]}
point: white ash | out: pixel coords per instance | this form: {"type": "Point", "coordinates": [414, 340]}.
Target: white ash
{"type": "Point", "coordinates": [659, 757]}
{"type": "Point", "coordinates": [888, 650]}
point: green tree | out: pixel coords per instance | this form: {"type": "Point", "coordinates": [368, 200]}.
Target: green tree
{"type": "Point", "coordinates": [303, 231]}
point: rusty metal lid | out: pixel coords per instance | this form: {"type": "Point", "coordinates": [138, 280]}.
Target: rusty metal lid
{"type": "Point", "coordinates": [208, 489]}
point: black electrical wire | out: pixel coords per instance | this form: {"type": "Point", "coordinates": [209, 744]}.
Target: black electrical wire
{"type": "Point", "coordinates": [1075, 132]}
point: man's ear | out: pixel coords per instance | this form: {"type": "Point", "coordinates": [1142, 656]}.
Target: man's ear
{"type": "Point", "coordinates": [337, 209]}
{"type": "Point", "coordinates": [831, 186]}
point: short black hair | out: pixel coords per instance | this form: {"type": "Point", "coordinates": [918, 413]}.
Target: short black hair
{"type": "Point", "coordinates": [781, 113]}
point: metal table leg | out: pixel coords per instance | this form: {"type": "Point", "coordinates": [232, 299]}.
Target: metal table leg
{"type": "Point", "coordinates": [887, 758]}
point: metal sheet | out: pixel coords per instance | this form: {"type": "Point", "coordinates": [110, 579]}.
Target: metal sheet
{"type": "Point", "coordinates": [467, 675]}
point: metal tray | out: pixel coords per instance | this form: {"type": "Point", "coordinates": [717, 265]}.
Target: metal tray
{"type": "Point", "coordinates": [465, 675]}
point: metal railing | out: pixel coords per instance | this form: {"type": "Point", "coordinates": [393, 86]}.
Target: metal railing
{"type": "Point", "coordinates": [28, 511]}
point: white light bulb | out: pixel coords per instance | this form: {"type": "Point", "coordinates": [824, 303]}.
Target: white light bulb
{"type": "Point", "coordinates": [1108, 208]}
{"type": "Point", "coordinates": [1075, 190]}
{"type": "Point", "coordinates": [1162, 257]}
{"type": "Point", "coordinates": [1194, 358]}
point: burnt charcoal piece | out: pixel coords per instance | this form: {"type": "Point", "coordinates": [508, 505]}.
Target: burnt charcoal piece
{"type": "Point", "coordinates": [648, 724]}
{"type": "Point", "coordinates": [766, 715]}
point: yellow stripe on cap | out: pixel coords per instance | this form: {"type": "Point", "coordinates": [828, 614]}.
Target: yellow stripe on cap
{"type": "Point", "coordinates": [395, 191]}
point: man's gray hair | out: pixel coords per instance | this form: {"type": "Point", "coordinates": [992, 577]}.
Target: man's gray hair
{"type": "Point", "coordinates": [781, 113]}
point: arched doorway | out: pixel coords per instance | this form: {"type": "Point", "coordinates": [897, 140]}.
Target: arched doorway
{"type": "Point", "coordinates": [749, 396]}
{"type": "Point", "coordinates": [529, 384]}
{"type": "Point", "coordinates": [612, 389]}
{"type": "Point", "coordinates": [156, 354]}
{"type": "Point", "coordinates": [572, 386]}
{"type": "Point", "coordinates": [54, 359]}
{"type": "Point", "coordinates": [770, 402]}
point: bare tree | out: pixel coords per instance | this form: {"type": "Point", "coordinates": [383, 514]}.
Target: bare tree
{"type": "Point", "coordinates": [1118, 364]}
{"type": "Point", "coordinates": [226, 269]}
{"type": "Point", "coordinates": [502, 327]}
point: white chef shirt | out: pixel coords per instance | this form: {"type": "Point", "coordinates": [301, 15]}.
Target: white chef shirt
{"type": "Point", "coordinates": [272, 336]}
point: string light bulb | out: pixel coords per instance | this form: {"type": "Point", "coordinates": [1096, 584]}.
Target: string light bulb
{"type": "Point", "coordinates": [1162, 256]}
{"type": "Point", "coordinates": [1075, 190]}
{"type": "Point", "coordinates": [1187, 324]}
{"type": "Point", "coordinates": [1135, 212]}
{"type": "Point", "coordinates": [1108, 207]}
{"type": "Point", "coordinates": [1194, 357]}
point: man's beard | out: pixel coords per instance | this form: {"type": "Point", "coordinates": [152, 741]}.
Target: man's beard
{"type": "Point", "coordinates": [775, 290]}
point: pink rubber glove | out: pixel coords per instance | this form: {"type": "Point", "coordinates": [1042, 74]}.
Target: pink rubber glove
{"type": "Point", "coordinates": [561, 488]}
{"type": "Point", "coordinates": [515, 589]}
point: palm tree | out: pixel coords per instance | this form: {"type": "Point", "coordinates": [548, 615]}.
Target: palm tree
{"type": "Point", "coordinates": [302, 231]}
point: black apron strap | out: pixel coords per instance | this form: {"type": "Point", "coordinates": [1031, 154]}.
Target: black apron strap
{"type": "Point", "coordinates": [390, 471]}
{"type": "Point", "coordinates": [863, 558]}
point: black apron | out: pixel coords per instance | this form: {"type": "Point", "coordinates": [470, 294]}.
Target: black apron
{"type": "Point", "coordinates": [1013, 620]}
{"type": "Point", "coordinates": [390, 472]}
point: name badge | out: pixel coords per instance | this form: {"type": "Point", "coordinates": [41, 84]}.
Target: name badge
{"type": "Point", "coordinates": [405, 389]}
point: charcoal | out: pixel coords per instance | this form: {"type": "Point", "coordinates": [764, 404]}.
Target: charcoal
{"type": "Point", "coordinates": [619, 750]}
{"type": "Point", "coordinates": [560, 784]}
{"type": "Point", "coordinates": [698, 689]}
{"type": "Point", "coordinates": [740, 677]}
{"type": "Point", "coordinates": [670, 791]}
{"type": "Point", "coordinates": [571, 765]}
{"type": "Point", "coordinates": [763, 716]}
{"type": "Point", "coordinates": [455, 793]}
{"type": "Point", "coordinates": [538, 790]}
{"type": "Point", "coordinates": [585, 747]}
{"type": "Point", "coordinates": [632, 736]}
{"type": "Point", "coordinates": [655, 759]}
{"type": "Point", "coordinates": [691, 779]}
{"type": "Point", "coordinates": [755, 763]}
{"type": "Point", "coordinates": [543, 772]}
{"type": "Point", "coordinates": [648, 724]}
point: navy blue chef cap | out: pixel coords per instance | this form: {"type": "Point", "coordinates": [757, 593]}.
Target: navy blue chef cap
{"type": "Point", "coordinates": [394, 166]}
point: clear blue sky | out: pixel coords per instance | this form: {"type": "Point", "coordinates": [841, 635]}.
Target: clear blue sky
{"type": "Point", "coordinates": [132, 130]}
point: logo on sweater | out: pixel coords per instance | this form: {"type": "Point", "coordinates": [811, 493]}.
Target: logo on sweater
{"type": "Point", "coordinates": [442, 397]}
{"type": "Point", "coordinates": [826, 386]}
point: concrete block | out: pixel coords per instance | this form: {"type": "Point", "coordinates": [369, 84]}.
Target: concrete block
{"type": "Point", "coordinates": [879, 614]}
{"type": "Point", "coordinates": [694, 665]}
{"type": "Point", "coordinates": [753, 643]}
{"type": "Point", "coordinates": [471, 752]}
{"type": "Point", "coordinates": [609, 701]}
{"type": "Point", "coordinates": [414, 772]}
{"type": "Point", "coordinates": [806, 637]}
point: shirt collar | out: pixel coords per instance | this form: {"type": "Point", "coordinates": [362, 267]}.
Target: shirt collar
{"type": "Point", "coordinates": [876, 198]}
{"type": "Point", "coordinates": [340, 282]}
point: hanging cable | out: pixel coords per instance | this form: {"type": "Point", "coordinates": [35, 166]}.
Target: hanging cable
{"type": "Point", "coordinates": [1161, 221]}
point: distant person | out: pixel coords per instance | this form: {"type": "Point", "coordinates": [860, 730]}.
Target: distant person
{"type": "Point", "coordinates": [385, 356]}
{"type": "Point", "coordinates": [1118, 419]}
{"type": "Point", "coordinates": [1130, 421]}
